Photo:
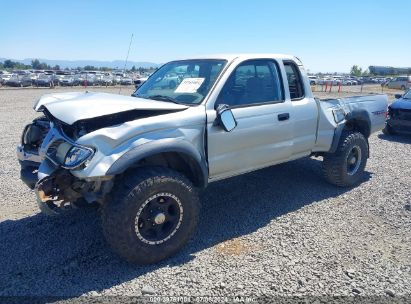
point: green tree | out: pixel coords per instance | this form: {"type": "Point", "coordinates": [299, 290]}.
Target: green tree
{"type": "Point", "coordinates": [8, 64]}
{"type": "Point", "coordinates": [35, 64]}
{"type": "Point", "coordinates": [366, 72]}
{"type": "Point", "coordinates": [90, 68]}
{"type": "Point", "coordinates": [356, 70]}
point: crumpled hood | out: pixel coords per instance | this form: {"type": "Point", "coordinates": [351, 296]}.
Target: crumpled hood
{"type": "Point", "coordinates": [401, 104]}
{"type": "Point", "coordinates": [72, 107]}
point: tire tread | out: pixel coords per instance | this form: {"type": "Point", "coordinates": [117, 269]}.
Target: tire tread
{"type": "Point", "coordinates": [333, 162]}
{"type": "Point", "coordinates": [125, 191]}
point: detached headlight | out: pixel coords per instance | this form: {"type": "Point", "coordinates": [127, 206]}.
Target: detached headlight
{"type": "Point", "coordinates": [69, 156]}
{"type": "Point", "coordinates": [76, 156]}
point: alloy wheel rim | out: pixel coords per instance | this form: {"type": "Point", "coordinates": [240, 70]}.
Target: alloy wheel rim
{"type": "Point", "coordinates": [158, 218]}
{"type": "Point", "coordinates": [353, 160]}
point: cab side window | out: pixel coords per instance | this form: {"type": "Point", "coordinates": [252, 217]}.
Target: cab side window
{"type": "Point", "coordinates": [295, 83]}
{"type": "Point", "coordinates": [252, 82]}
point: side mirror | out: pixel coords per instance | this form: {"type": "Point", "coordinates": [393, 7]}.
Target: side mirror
{"type": "Point", "coordinates": [226, 118]}
{"type": "Point", "coordinates": [398, 96]}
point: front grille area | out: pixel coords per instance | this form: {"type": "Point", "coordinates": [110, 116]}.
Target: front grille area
{"type": "Point", "coordinates": [34, 134]}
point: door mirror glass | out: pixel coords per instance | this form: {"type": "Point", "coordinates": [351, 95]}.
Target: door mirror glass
{"type": "Point", "coordinates": [226, 118]}
{"type": "Point", "coordinates": [398, 96]}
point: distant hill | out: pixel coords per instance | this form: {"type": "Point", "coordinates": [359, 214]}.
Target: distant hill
{"type": "Point", "coordinates": [81, 63]}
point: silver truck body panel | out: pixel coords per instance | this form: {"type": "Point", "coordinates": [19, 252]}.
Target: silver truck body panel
{"type": "Point", "coordinates": [258, 141]}
{"type": "Point", "coordinates": [113, 142]}
{"type": "Point", "coordinates": [374, 105]}
{"type": "Point", "coordinates": [72, 107]}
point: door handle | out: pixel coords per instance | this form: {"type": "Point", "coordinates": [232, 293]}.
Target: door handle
{"type": "Point", "coordinates": [283, 116]}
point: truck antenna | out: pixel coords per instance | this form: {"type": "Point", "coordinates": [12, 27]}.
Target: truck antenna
{"type": "Point", "coordinates": [125, 63]}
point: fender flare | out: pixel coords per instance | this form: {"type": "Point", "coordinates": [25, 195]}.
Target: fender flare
{"type": "Point", "coordinates": [356, 115]}
{"type": "Point", "coordinates": [133, 156]}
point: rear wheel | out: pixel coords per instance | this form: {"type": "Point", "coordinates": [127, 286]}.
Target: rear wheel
{"type": "Point", "coordinates": [152, 215]}
{"type": "Point", "coordinates": [345, 167]}
{"type": "Point", "coordinates": [403, 87]}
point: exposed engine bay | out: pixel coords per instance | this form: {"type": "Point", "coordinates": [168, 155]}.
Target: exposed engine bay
{"type": "Point", "coordinates": [43, 156]}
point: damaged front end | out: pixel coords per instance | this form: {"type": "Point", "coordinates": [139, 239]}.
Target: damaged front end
{"type": "Point", "coordinates": [47, 156]}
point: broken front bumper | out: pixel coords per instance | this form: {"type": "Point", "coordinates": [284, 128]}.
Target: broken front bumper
{"type": "Point", "coordinates": [29, 165]}
{"type": "Point", "coordinates": [38, 176]}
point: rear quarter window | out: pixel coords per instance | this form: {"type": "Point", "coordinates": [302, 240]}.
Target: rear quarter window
{"type": "Point", "coordinates": [295, 82]}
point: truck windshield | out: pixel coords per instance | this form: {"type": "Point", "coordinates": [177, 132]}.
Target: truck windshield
{"type": "Point", "coordinates": [183, 82]}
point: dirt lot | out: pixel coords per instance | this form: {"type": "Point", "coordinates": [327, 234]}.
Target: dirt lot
{"type": "Point", "coordinates": [280, 231]}
{"type": "Point", "coordinates": [346, 91]}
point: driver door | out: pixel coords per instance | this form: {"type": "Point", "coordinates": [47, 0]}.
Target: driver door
{"type": "Point", "coordinates": [263, 135]}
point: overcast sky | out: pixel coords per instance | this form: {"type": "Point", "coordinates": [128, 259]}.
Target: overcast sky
{"type": "Point", "coordinates": [325, 35]}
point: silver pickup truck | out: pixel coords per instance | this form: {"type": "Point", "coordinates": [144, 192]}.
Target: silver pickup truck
{"type": "Point", "coordinates": [143, 158]}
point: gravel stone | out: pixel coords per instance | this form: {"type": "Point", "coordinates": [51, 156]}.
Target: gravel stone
{"type": "Point", "coordinates": [390, 292]}
{"type": "Point", "coordinates": [148, 290]}
{"type": "Point", "coordinates": [350, 273]}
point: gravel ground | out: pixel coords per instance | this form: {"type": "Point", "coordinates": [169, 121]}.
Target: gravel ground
{"type": "Point", "coordinates": [282, 231]}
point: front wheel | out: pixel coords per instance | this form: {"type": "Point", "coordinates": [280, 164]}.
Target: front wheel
{"type": "Point", "coordinates": [345, 167]}
{"type": "Point", "coordinates": [152, 215]}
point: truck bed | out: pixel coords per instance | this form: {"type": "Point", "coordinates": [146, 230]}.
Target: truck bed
{"type": "Point", "coordinates": [370, 108]}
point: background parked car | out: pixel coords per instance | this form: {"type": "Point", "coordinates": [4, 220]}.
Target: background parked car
{"type": "Point", "coordinates": [87, 79]}
{"type": "Point", "coordinates": [53, 76]}
{"type": "Point", "coordinates": [313, 80]}
{"type": "Point", "coordinates": [19, 81]}
{"type": "Point", "coordinates": [107, 80]}
{"type": "Point", "coordinates": [60, 75]}
{"type": "Point", "coordinates": [168, 81]}
{"type": "Point", "coordinates": [44, 80]}
{"type": "Point", "coordinates": [5, 76]}
{"type": "Point", "coordinates": [401, 82]}
{"type": "Point", "coordinates": [126, 81]}
{"type": "Point", "coordinates": [399, 115]}
{"type": "Point", "coordinates": [139, 81]}
{"type": "Point", "coordinates": [68, 80]}
{"type": "Point", "coordinates": [117, 79]}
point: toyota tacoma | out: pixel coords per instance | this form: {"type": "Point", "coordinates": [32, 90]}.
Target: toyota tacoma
{"type": "Point", "coordinates": [144, 157]}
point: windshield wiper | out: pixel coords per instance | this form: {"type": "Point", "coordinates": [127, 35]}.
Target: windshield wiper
{"type": "Point", "coordinates": [163, 98]}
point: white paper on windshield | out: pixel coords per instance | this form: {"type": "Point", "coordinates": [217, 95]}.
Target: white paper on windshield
{"type": "Point", "coordinates": [189, 85]}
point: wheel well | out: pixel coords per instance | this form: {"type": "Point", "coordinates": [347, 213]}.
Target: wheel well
{"type": "Point", "coordinates": [179, 162]}
{"type": "Point", "coordinates": [358, 125]}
